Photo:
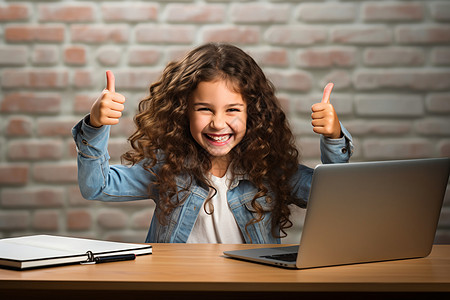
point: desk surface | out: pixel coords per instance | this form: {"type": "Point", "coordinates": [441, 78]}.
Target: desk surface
{"type": "Point", "coordinates": [202, 267]}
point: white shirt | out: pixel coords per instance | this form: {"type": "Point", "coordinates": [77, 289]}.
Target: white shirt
{"type": "Point", "coordinates": [220, 226]}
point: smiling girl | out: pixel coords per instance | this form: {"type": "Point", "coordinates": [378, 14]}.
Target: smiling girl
{"type": "Point", "coordinates": [212, 148]}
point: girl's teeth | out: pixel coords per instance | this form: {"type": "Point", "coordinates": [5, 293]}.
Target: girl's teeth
{"type": "Point", "coordinates": [221, 138]}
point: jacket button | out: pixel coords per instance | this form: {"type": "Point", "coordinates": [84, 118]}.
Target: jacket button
{"type": "Point", "coordinates": [344, 150]}
{"type": "Point", "coordinates": [84, 142]}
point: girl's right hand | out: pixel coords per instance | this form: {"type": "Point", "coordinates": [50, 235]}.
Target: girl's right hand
{"type": "Point", "coordinates": [107, 109]}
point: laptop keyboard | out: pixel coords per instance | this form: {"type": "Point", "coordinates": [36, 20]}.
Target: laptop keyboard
{"type": "Point", "coordinates": [284, 257]}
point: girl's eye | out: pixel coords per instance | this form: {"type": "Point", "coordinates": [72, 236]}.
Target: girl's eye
{"type": "Point", "coordinates": [233, 110]}
{"type": "Point", "coordinates": [203, 109]}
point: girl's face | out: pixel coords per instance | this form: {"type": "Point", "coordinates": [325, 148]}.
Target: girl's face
{"type": "Point", "coordinates": [218, 117]}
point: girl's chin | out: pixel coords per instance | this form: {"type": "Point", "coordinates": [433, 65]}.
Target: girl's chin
{"type": "Point", "coordinates": [218, 154]}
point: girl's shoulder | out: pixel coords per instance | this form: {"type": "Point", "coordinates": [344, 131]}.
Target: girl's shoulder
{"type": "Point", "coordinates": [153, 163]}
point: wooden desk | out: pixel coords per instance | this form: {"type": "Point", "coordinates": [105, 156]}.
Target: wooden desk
{"type": "Point", "coordinates": [202, 271]}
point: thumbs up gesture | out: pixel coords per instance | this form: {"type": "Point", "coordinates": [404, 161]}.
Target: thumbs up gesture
{"type": "Point", "coordinates": [324, 117]}
{"type": "Point", "coordinates": [107, 109]}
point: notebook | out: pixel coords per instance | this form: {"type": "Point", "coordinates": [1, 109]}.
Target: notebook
{"type": "Point", "coordinates": [365, 212]}
{"type": "Point", "coordinates": [48, 250]}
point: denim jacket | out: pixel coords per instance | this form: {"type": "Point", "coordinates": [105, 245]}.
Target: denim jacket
{"type": "Point", "coordinates": [100, 181]}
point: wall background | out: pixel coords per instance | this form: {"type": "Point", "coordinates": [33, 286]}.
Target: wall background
{"type": "Point", "coordinates": [389, 60]}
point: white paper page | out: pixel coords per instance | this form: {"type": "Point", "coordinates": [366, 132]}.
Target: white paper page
{"type": "Point", "coordinates": [24, 252]}
{"type": "Point", "coordinates": [46, 246]}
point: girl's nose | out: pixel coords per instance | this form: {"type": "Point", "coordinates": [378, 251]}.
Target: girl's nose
{"type": "Point", "coordinates": [218, 122]}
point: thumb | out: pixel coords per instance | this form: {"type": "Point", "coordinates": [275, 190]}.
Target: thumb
{"type": "Point", "coordinates": [327, 93]}
{"type": "Point", "coordinates": [110, 82]}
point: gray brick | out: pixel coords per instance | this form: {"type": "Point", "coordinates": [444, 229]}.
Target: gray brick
{"type": "Point", "coordinates": [397, 148]}
{"type": "Point", "coordinates": [389, 105]}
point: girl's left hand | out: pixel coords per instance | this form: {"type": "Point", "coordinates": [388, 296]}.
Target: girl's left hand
{"type": "Point", "coordinates": [324, 118]}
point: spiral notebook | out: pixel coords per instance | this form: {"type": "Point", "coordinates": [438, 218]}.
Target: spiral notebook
{"type": "Point", "coordinates": [48, 250]}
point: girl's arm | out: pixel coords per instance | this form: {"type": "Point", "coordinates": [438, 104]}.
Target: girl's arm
{"type": "Point", "coordinates": [96, 178]}
{"type": "Point", "coordinates": [336, 144]}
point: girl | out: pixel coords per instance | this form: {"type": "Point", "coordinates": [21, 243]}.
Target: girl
{"type": "Point", "coordinates": [212, 148]}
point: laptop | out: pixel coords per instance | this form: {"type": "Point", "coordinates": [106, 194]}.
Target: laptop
{"type": "Point", "coordinates": [365, 212]}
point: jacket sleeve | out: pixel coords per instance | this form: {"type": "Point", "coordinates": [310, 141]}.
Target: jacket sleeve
{"type": "Point", "coordinates": [336, 150]}
{"type": "Point", "coordinates": [96, 178]}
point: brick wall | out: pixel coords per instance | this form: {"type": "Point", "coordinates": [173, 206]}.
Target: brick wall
{"type": "Point", "coordinates": [389, 60]}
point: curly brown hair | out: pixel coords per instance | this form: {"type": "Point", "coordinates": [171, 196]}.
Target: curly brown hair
{"type": "Point", "coordinates": [267, 154]}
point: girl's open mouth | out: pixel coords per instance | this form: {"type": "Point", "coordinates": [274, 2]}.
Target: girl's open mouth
{"type": "Point", "coordinates": [218, 138]}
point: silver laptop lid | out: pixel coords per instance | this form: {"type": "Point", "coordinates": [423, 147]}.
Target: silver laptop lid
{"type": "Point", "coordinates": [372, 211]}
